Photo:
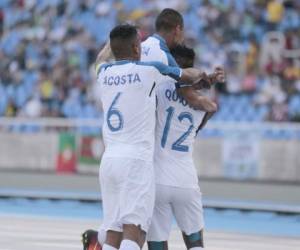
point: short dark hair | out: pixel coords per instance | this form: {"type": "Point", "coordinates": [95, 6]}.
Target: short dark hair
{"type": "Point", "coordinates": [123, 31]}
{"type": "Point", "coordinates": [183, 55]}
{"type": "Point", "coordinates": [121, 38]}
{"type": "Point", "coordinates": [168, 19]}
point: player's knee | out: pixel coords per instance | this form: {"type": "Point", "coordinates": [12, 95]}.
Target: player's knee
{"type": "Point", "coordinates": [194, 240]}
{"type": "Point", "coordinates": [157, 245]}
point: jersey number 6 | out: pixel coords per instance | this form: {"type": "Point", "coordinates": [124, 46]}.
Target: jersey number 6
{"type": "Point", "coordinates": [112, 111]}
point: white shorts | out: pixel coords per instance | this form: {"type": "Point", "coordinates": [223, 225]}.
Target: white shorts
{"type": "Point", "coordinates": [127, 188]}
{"type": "Point", "coordinates": [184, 203]}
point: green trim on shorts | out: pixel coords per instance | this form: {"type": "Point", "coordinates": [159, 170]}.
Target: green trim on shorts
{"type": "Point", "coordinates": [194, 237]}
{"type": "Point", "coordinates": [156, 245]}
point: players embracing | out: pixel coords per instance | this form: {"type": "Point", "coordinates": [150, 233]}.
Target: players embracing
{"type": "Point", "coordinates": [129, 91]}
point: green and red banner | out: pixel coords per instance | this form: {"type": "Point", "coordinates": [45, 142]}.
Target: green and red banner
{"type": "Point", "coordinates": [66, 159]}
{"type": "Point", "coordinates": [90, 152]}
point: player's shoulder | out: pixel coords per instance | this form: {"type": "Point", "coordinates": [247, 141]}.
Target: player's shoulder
{"type": "Point", "coordinates": [150, 46]}
{"type": "Point", "coordinates": [151, 50]}
{"type": "Point", "coordinates": [107, 67]}
{"type": "Point", "coordinates": [102, 67]}
{"type": "Point", "coordinates": [164, 50]}
{"type": "Point", "coordinates": [150, 41]}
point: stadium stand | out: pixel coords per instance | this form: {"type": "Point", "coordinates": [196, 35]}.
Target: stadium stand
{"type": "Point", "coordinates": [48, 47]}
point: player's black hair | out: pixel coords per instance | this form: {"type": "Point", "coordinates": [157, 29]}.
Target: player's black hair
{"type": "Point", "coordinates": [184, 56]}
{"type": "Point", "coordinates": [121, 39]}
{"type": "Point", "coordinates": [168, 19]}
{"type": "Point", "coordinates": [123, 31]}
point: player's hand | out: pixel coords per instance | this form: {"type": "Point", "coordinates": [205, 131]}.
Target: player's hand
{"type": "Point", "coordinates": [218, 76]}
{"type": "Point", "coordinates": [105, 54]}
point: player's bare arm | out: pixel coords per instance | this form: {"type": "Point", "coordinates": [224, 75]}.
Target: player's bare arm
{"type": "Point", "coordinates": [104, 55]}
{"type": "Point", "coordinates": [218, 76]}
{"type": "Point", "coordinates": [193, 76]}
{"type": "Point", "coordinates": [207, 81]}
{"type": "Point", "coordinates": [196, 100]}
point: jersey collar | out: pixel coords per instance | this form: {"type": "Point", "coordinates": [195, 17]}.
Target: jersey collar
{"type": "Point", "coordinates": [107, 65]}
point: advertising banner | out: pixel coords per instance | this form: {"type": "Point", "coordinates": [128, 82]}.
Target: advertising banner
{"type": "Point", "coordinates": [241, 154]}
{"type": "Point", "coordinates": [90, 152]}
{"type": "Point", "coordinates": [66, 159]}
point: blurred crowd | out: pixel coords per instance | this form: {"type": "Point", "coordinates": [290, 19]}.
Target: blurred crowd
{"type": "Point", "coordinates": [48, 47]}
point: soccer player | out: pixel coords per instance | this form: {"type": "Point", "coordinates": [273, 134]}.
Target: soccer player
{"type": "Point", "coordinates": [177, 189]}
{"type": "Point", "coordinates": [126, 174]}
{"type": "Point", "coordinates": [169, 27]}
{"type": "Point", "coordinates": [175, 130]}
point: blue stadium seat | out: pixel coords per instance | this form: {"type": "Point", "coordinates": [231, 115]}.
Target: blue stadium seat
{"type": "Point", "coordinates": [294, 105]}
{"type": "Point", "coordinates": [71, 109]}
{"type": "Point", "coordinates": [263, 111]}
{"type": "Point", "coordinates": [21, 95]}
{"type": "Point", "coordinates": [233, 107]}
{"type": "Point", "coordinates": [10, 42]}
{"type": "Point", "coordinates": [4, 3]}
{"type": "Point", "coordinates": [3, 100]}
{"type": "Point", "coordinates": [89, 111]}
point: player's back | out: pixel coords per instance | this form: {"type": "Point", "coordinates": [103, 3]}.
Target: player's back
{"type": "Point", "coordinates": [176, 127]}
{"type": "Point", "coordinates": [128, 98]}
{"type": "Point", "coordinates": [129, 110]}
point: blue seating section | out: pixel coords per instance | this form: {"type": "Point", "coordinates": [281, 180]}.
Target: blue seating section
{"type": "Point", "coordinates": [93, 20]}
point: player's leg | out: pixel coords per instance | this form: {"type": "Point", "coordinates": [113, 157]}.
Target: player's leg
{"type": "Point", "coordinates": [132, 237]}
{"type": "Point", "coordinates": [111, 182]}
{"type": "Point", "coordinates": [92, 239]}
{"type": "Point", "coordinates": [137, 202]}
{"type": "Point", "coordinates": [194, 241]}
{"type": "Point", "coordinates": [113, 240]}
{"type": "Point", "coordinates": [188, 211]}
{"type": "Point", "coordinates": [161, 222]}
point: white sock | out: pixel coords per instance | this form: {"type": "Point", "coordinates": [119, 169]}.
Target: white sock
{"type": "Point", "coordinates": [101, 236]}
{"type": "Point", "coordinates": [129, 245]}
{"type": "Point", "coordinates": [108, 247]}
{"type": "Point", "coordinates": [196, 248]}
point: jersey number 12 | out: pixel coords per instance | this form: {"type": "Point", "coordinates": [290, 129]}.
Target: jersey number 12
{"type": "Point", "coordinates": [177, 145]}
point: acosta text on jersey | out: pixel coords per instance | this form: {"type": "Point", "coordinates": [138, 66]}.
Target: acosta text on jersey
{"type": "Point", "coordinates": [122, 79]}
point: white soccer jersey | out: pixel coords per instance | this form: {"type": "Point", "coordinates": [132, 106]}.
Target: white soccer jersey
{"type": "Point", "coordinates": [154, 48]}
{"type": "Point", "coordinates": [128, 97]}
{"type": "Point", "coordinates": [176, 125]}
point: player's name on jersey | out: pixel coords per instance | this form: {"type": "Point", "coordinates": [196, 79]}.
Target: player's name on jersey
{"type": "Point", "coordinates": [171, 95]}
{"type": "Point", "coordinates": [122, 79]}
